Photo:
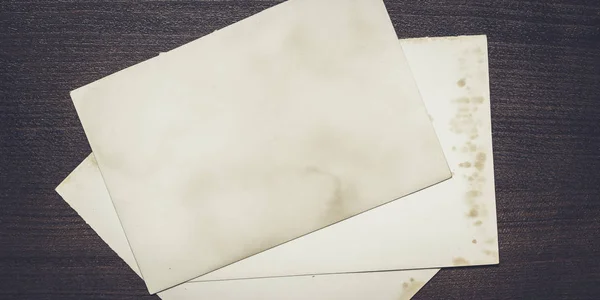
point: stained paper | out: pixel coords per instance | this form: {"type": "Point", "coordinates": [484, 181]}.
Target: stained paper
{"type": "Point", "coordinates": [286, 122]}
{"type": "Point", "coordinates": [452, 75]}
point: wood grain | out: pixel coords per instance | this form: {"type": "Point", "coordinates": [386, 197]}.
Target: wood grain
{"type": "Point", "coordinates": [545, 88]}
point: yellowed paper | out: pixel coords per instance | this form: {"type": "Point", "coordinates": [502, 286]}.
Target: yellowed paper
{"type": "Point", "coordinates": [450, 72]}
{"type": "Point", "coordinates": [291, 120]}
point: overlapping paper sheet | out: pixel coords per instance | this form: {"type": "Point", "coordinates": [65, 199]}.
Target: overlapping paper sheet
{"type": "Point", "coordinates": [281, 124]}
{"type": "Point", "coordinates": [452, 223]}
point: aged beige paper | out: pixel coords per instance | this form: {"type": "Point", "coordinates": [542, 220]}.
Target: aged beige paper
{"type": "Point", "coordinates": [446, 70]}
{"type": "Point", "coordinates": [291, 120]}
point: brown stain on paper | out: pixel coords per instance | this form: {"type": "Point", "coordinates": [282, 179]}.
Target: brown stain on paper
{"type": "Point", "coordinates": [336, 196]}
{"type": "Point", "coordinates": [474, 212]}
{"type": "Point", "coordinates": [337, 204]}
{"type": "Point", "coordinates": [459, 261]}
{"type": "Point", "coordinates": [473, 193]}
{"type": "Point", "coordinates": [492, 253]}
{"type": "Point", "coordinates": [478, 100]}
{"type": "Point", "coordinates": [480, 161]}
{"type": "Point", "coordinates": [464, 122]}
{"type": "Point", "coordinates": [465, 165]}
{"type": "Point", "coordinates": [410, 288]}
{"type": "Point", "coordinates": [472, 148]}
{"type": "Point", "coordinates": [467, 123]}
{"type": "Point", "coordinates": [463, 100]}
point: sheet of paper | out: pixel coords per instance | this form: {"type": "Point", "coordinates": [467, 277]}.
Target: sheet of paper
{"type": "Point", "coordinates": [291, 120]}
{"type": "Point", "coordinates": [451, 60]}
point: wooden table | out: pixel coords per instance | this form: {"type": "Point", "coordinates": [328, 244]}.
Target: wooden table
{"type": "Point", "coordinates": [545, 87]}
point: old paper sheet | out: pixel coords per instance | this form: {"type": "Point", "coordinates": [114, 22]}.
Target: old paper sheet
{"type": "Point", "coordinates": [291, 120]}
{"type": "Point", "coordinates": [442, 66]}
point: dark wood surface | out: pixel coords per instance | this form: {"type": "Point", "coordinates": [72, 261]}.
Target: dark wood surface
{"type": "Point", "coordinates": [545, 87]}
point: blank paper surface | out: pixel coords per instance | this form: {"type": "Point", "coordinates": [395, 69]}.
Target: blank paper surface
{"type": "Point", "coordinates": [453, 77]}
{"type": "Point", "coordinates": [291, 120]}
